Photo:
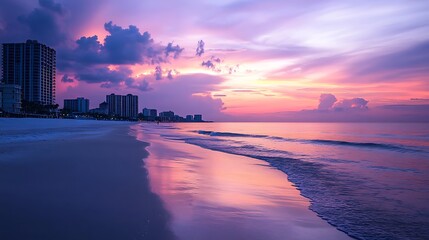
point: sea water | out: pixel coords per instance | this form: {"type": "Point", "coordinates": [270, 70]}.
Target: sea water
{"type": "Point", "coordinates": [369, 180]}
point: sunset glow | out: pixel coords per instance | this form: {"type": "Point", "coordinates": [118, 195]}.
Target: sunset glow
{"type": "Point", "coordinates": [258, 57]}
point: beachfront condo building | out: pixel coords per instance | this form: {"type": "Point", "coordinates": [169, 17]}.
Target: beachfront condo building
{"type": "Point", "coordinates": [32, 66]}
{"type": "Point", "coordinates": [123, 105]}
{"type": "Point", "coordinates": [78, 105]}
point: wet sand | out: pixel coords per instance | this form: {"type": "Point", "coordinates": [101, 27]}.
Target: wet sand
{"type": "Point", "coordinates": [78, 188]}
{"type": "Point", "coordinates": [214, 195]}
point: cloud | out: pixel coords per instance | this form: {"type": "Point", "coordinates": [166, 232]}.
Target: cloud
{"type": "Point", "coordinates": [104, 75]}
{"type": "Point", "coordinates": [208, 64]}
{"type": "Point", "coordinates": [170, 74]}
{"type": "Point", "coordinates": [354, 103]}
{"type": "Point", "coordinates": [187, 94]}
{"type": "Point", "coordinates": [216, 64]}
{"type": "Point", "coordinates": [92, 61]}
{"type": "Point", "coordinates": [158, 73]}
{"type": "Point", "coordinates": [121, 46]}
{"type": "Point", "coordinates": [175, 50]}
{"type": "Point", "coordinates": [44, 23]}
{"type": "Point", "coordinates": [326, 101]}
{"type": "Point", "coordinates": [51, 5]}
{"type": "Point", "coordinates": [419, 99]}
{"type": "Point", "coordinates": [139, 84]}
{"type": "Point", "coordinates": [213, 64]}
{"type": "Point", "coordinates": [200, 48]}
{"type": "Point", "coordinates": [67, 79]}
{"type": "Point", "coordinates": [395, 66]}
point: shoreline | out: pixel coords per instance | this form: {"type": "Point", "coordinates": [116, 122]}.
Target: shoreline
{"type": "Point", "coordinates": [79, 188]}
{"type": "Point", "coordinates": [217, 195]}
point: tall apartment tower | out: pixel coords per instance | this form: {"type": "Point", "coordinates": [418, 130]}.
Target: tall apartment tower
{"type": "Point", "coordinates": [123, 106]}
{"type": "Point", "coordinates": [32, 66]}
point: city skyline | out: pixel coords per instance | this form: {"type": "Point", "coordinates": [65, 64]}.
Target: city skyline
{"type": "Point", "coordinates": [233, 61]}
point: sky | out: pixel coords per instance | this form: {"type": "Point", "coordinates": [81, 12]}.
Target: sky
{"type": "Point", "coordinates": [230, 60]}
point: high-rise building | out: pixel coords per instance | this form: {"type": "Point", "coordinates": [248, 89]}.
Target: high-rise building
{"type": "Point", "coordinates": [80, 105]}
{"type": "Point", "coordinates": [123, 106]}
{"type": "Point", "coordinates": [130, 106]}
{"type": "Point", "coordinates": [32, 66]}
{"type": "Point", "coordinates": [115, 104]}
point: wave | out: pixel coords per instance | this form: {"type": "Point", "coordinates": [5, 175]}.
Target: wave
{"type": "Point", "coordinates": [346, 202]}
{"type": "Point", "coordinates": [382, 146]}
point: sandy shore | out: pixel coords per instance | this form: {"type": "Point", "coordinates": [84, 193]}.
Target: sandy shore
{"type": "Point", "coordinates": [213, 195]}
{"type": "Point", "coordinates": [78, 188]}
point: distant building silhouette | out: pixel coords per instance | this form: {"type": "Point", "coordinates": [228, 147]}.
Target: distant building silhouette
{"type": "Point", "coordinates": [32, 66]}
{"type": "Point", "coordinates": [10, 98]}
{"type": "Point", "coordinates": [123, 106]}
{"type": "Point", "coordinates": [103, 108]}
{"type": "Point", "coordinates": [167, 116]}
{"type": "Point", "coordinates": [149, 114]}
{"type": "Point", "coordinates": [78, 105]}
{"type": "Point", "coordinates": [189, 118]}
{"type": "Point", "coordinates": [198, 118]}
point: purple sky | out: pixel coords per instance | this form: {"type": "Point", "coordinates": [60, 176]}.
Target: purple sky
{"type": "Point", "coordinates": [282, 60]}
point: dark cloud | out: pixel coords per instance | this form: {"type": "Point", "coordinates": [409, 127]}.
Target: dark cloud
{"type": "Point", "coordinates": [122, 46]}
{"type": "Point", "coordinates": [326, 101]}
{"type": "Point", "coordinates": [104, 75]}
{"type": "Point", "coordinates": [187, 94]}
{"type": "Point", "coordinates": [158, 73]}
{"type": "Point", "coordinates": [213, 64]}
{"type": "Point", "coordinates": [44, 23]}
{"type": "Point", "coordinates": [200, 48]}
{"type": "Point", "coordinates": [139, 84]}
{"type": "Point", "coordinates": [175, 50]}
{"type": "Point", "coordinates": [208, 64]}
{"type": "Point", "coordinates": [90, 59]}
{"type": "Point", "coordinates": [129, 46]}
{"type": "Point", "coordinates": [216, 59]}
{"type": "Point", "coordinates": [67, 79]}
{"type": "Point", "coordinates": [217, 65]}
{"type": "Point", "coordinates": [219, 95]}
{"type": "Point", "coordinates": [51, 5]}
{"type": "Point", "coordinates": [112, 78]}
{"type": "Point", "coordinates": [170, 74]}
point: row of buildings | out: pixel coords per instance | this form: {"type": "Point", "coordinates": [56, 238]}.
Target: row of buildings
{"type": "Point", "coordinates": [125, 106]}
{"type": "Point", "coordinates": [28, 79]}
{"type": "Point", "coordinates": [168, 116]}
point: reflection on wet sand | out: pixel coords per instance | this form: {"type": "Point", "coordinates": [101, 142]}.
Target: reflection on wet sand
{"type": "Point", "coordinates": [213, 195]}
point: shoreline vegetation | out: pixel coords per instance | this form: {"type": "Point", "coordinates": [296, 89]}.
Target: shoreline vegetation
{"type": "Point", "coordinates": [90, 187]}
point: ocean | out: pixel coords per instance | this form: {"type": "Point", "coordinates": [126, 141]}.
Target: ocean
{"type": "Point", "coordinates": [368, 180]}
